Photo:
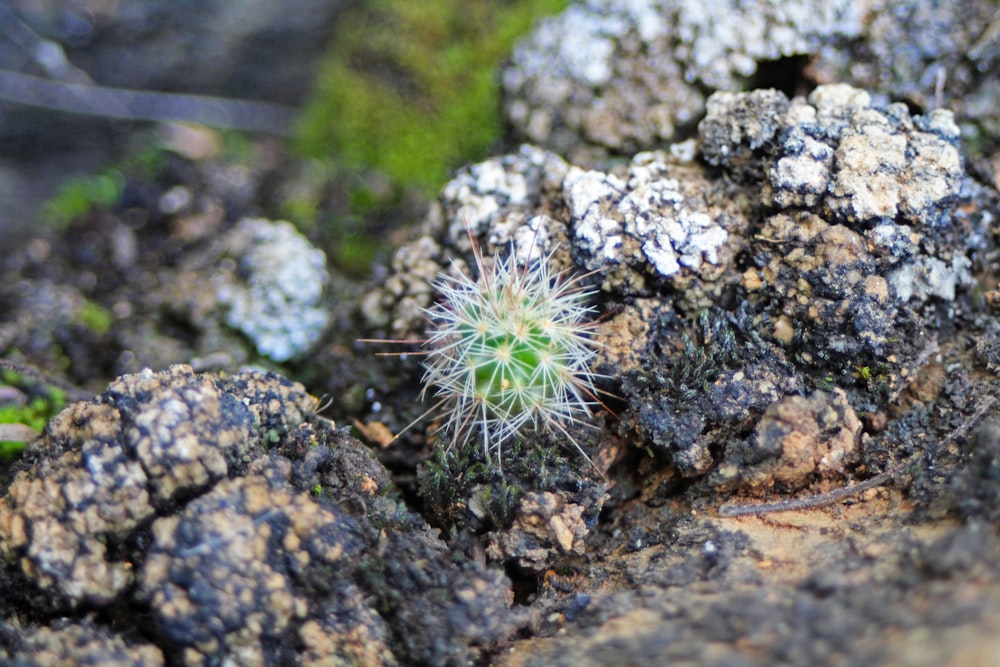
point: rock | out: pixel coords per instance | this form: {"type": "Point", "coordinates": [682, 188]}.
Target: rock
{"type": "Point", "coordinates": [260, 283]}
{"type": "Point", "coordinates": [842, 215]}
{"type": "Point", "coordinates": [738, 127]}
{"type": "Point", "coordinates": [545, 529]}
{"type": "Point", "coordinates": [650, 221]}
{"type": "Point", "coordinates": [839, 155]}
{"type": "Point", "coordinates": [861, 234]}
{"type": "Point", "coordinates": [103, 468]}
{"type": "Point", "coordinates": [948, 62]}
{"type": "Point", "coordinates": [797, 440]}
{"type": "Point", "coordinates": [68, 643]}
{"type": "Point", "coordinates": [209, 505]}
{"type": "Point", "coordinates": [272, 288]}
{"type": "Point", "coordinates": [623, 76]}
{"type": "Point", "coordinates": [829, 285]}
{"type": "Point", "coordinates": [657, 221]}
{"type": "Point", "coordinates": [225, 577]}
{"type": "Point", "coordinates": [613, 77]}
{"type": "Point", "coordinates": [702, 392]}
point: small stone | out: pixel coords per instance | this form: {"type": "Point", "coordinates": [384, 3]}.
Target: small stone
{"type": "Point", "coordinates": [797, 439]}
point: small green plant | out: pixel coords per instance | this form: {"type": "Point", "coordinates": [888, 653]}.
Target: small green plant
{"type": "Point", "coordinates": [511, 351]}
{"type": "Point", "coordinates": [409, 87]}
{"type": "Point", "coordinates": [43, 402]}
{"type": "Point", "coordinates": [95, 317]}
{"type": "Point", "coordinates": [78, 195]}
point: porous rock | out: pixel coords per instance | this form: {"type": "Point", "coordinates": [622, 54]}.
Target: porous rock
{"type": "Point", "coordinates": [223, 578]}
{"type": "Point", "coordinates": [546, 528]}
{"type": "Point", "coordinates": [650, 225]}
{"type": "Point", "coordinates": [257, 290]}
{"type": "Point", "coordinates": [69, 644]}
{"type": "Point", "coordinates": [689, 414]}
{"type": "Point", "coordinates": [615, 77]}
{"type": "Point", "coordinates": [838, 154]}
{"type": "Point", "coordinates": [207, 510]}
{"type": "Point", "coordinates": [273, 288]}
{"type": "Point", "coordinates": [948, 61]}
{"type": "Point", "coordinates": [623, 76]}
{"type": "Point", "coordinates": [859, 235]}
{"type": "Point", "coordinates": [796, 440]}
{"type": "Point", "coordinates": [103, 467]}
{"type": "Point", "coordinates": [490, 201]}
{"type": "Point", "coordinates": [656, 221]}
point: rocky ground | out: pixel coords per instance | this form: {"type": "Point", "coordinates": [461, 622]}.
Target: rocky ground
{"type": "Point", "coordinates": [798, 306]}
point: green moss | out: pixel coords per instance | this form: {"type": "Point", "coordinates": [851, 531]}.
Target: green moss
{"type": "Point", "coordinates": [43, 402]}
{"type": "Point", "coordinates": [409, 87]}
{"type": "Point", "coordinates": [95, 317]}
{"type": "Point", "coordinates": [354, 253]}
{"type": "Point", "coordinates": [78, 195]}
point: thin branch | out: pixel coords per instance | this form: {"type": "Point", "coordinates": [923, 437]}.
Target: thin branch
{"type": "Point", "coordinates": [811, 502]}
{"type": "Point", "coordinates": [73, 393]}
{"type": "Point", "coordinates": [246, 115]}
{"type": "Point", "coordinates": [835, 496]}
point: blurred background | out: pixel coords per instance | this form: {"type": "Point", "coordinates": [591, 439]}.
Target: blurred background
{"type": "Point", "coordinates": [369, 102]}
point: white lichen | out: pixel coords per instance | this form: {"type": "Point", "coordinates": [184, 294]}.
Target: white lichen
{"type": "Point", "coordinates": [274, 296]}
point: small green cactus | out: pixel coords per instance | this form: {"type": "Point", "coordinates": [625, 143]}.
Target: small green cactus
{"type": "Point", "coordinates": [510, 351]}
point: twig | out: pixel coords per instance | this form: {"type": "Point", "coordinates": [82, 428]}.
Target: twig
{"type": "Point", "coordinates": [145, 105]}
{"type": "Point", "coordinates": [821, 500]}
{"type": "Point", "coordinates": [70, 89]}
{"type": "Point", "coordinates": [73, 393]}
{"type": "Point", "coordinates": [825, 499]}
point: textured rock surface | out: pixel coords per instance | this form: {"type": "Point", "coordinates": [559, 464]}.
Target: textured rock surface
{"type": "Point", "coordinates": [545, 523]}
{"type": "Point", "coordinates": [837, 229]}
{"type": "Point", "coordinates": [705, 388]}
{"type": "Point", "coordinates": [947, 59]}
{"type": "Point", "coordinates": [658, 221]}
{"type": "Point", "coordinates": [226, 576]}
{"type": "Point", "coordinates": [837, 154]}
{"type": "Point", "coordinates": [206, 508]}
{"type": "Point", "coordinates": [622, 76]}
{"type": "Point", "coordinates": [654, 221]}
{"type": "Point", "coordinates": [797, 439]}
{"type": "Point", "coordinates": [68, 644]}
{"type": "Point", "coordinates": [610, 76]}
{"type": "Point", "coordinates": [103, 467]}
{"type": "Point", "coordinates": [802, 588]}
{"type": "Point", "coordinates": [845, 326]}
{"type": "Point", "coordinates": [863, 196]}
{"type": "Point", "coordinates": [274, 291]}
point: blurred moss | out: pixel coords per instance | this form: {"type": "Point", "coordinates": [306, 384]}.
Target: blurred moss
{"type": "Point", "coordinates": [95, 317]}
{"type": "Point", "coordinates": [408, 87]}
{"type": "Point", "coordinates": [354, 254]}
{"type": "Point", "coordinates": [78, 195]}
{"type": "Point", "coordinates": [42, 404]}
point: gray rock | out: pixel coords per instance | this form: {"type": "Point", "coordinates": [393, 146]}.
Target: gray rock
{"type": "Point", "coordinates": [656, 221]}
{"type": "Point", "coordinates": [610, 75]}
{"type": "Point", "coordinates": [615, 77]}
{"type": "Point", "coordinates": [104, 467]}
{"type": "Point", "coordinates": [207, 505]}
{"type": "Point", "coordinates": [273, 293]}
{"type": "Point", "coordinates": [839, 154]}
{"type": "Point", "coordinates": [219, 576]}
{"type": "Point", "coordinates": [68, 643]}
{"type": "Point", "coordinates": [861, 197]}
